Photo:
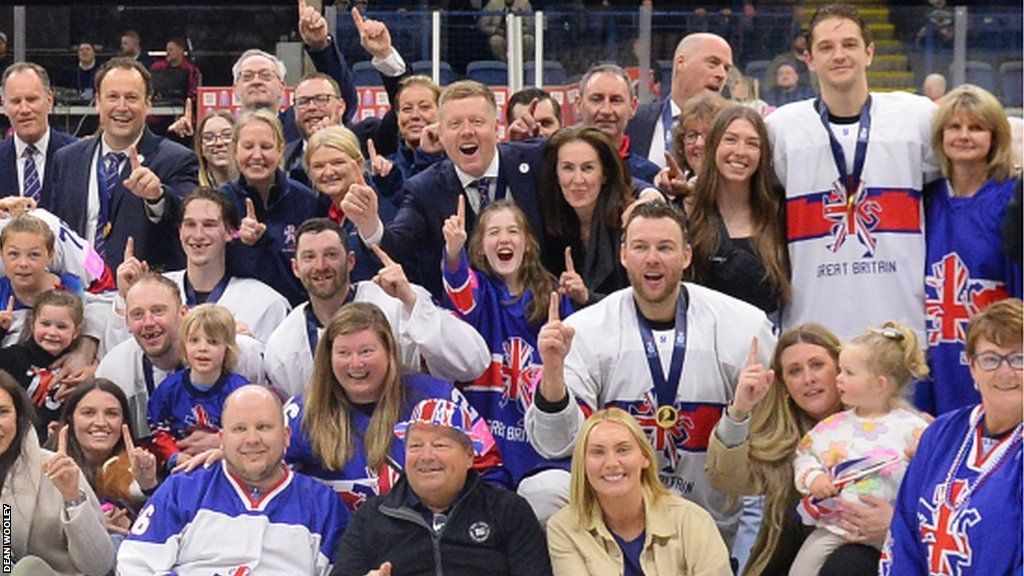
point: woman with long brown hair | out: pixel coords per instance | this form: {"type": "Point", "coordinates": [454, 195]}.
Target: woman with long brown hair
{"type": "Point", "coordinates": [342, 428]}
{"type": "Point", "coordinates": [736, 225]}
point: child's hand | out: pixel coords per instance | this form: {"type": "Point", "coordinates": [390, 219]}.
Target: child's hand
{"type": "Point", "coordinates": [822, 487]}
{"type": "Point", "coordinates": [455, 235]}
{"type": "Point", "coordinates": [571, 283]}
{"type": "Point", "coordinates": [7, 315]}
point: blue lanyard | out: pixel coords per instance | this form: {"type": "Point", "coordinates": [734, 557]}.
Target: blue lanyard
{"type": "Point", "coordinates": [666, 123]}
{"type": "Point", "coordinates": [665, 389]}
{"type": "Point", "coordinates": [850, 180]}
{"type": "Point", "coordinates": [147, 374]}
{"type": "Point", "coordinates": [313, 324]}
{"type": "Point", "coordinates": [190, 293]}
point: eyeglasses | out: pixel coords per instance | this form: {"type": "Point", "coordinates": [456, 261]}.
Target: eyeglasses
{"type": "Point", "coordinates": [320, 100]}
{"type": "Point", "coordinates": [990, 361]}
{"type": "Point", "coordinates": [692, 136]}
{"type": "Point", "coordinates": [265, 75]}
{"type": "Point", "coordinates": [213, 137]}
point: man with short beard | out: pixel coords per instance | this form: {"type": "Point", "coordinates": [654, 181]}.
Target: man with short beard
{"type": "Point", "coordinates": [153, 313]}
{"type": "Point", "coordinates": [427, 336]}
{"type": "Point", "coordinates": [667, 352]}
{"type": "Point", "coordinates": [250, 514]}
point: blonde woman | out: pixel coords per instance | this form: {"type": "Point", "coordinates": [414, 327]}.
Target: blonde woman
{"type": "Point", "coordinates": [621, 520]}
{"type": "Point", "coordinates": [342, 428]}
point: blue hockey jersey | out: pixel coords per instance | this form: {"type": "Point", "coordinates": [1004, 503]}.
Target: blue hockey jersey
{"type": "Point", "coordinates": [503, 393]}
{"type": "Point", "coordinates": [356, 482]}
{"type": "Point", "coordinates": [205, 523]}
{"type": "Point", "coordinates": [965, 272]}
{"type": "Point", "coordinates": [177, 407]}
{"type": "Point", "coordinates": [958, 512]}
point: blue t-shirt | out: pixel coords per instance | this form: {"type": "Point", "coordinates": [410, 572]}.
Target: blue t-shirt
{"type": "Point", "coordinates": [631, 554]}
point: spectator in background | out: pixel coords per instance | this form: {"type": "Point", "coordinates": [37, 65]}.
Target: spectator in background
{"type": "Point", "coordinates": [795, 57]}
{"type": "Point", "coordinates": [416, 102]}
{"type": "Point", "coordinates": [5, 58]}
{"type": "Point", "coordinates": [82, 76]}
{"type": "Point", "coordinates": [492, 24]}
{"type": "Point", "coordinates": [131, 47]}
{"type": "Point", "coordinates": [742, 90]}
{"type": "Point", "coordinates": [788, 87]}
{"type": "Point", "coordinates": [689, 141]}
{"type": "Point", "coordinates": [547, 114]}
{"type": "Point", "coordinates": [934, 87]}
{"type": "Point", "coordinates": [177, 57]}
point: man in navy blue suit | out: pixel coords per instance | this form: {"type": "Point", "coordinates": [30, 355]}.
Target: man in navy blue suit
{"type": "Point", "coordinates": [126, 181]}
{"type": "Point", "coordinates": [701, 62]}
{"type": "Point", "coordinates": [27, 156]}
{"type": "Point", "coordinates": [477, 168]}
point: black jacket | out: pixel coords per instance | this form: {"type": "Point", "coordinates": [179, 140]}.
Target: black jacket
{"type": "Point", "coordinates": [489, 531]}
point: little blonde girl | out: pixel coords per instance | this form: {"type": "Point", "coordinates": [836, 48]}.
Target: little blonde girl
{"type": "Point", "coordinates": [192, 399]}
{"type": "Point", "coordinates": [865, 449]}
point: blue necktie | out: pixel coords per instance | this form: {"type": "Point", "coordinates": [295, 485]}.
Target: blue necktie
{"type": "Point", "coordinates": [32, 186]}
{"type": "Point", "coordinates": [111, 176]}
{"type": "Point", "coordinates": [483, 188]}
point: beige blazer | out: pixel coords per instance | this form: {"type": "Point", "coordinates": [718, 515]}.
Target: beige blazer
{"type": "Point", "coordinates": [681, 540]}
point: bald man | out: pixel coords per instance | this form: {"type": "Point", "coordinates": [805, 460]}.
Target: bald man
{"type": "Point", "coordinates": [248, 512]}
{"type": "Point", "coordinates": [701, 62]}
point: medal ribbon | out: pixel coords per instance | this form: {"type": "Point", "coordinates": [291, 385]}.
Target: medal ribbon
{"type": "Point", "coordinates": [190, 293]}
{"type": "Point", "coordinates": [666, 123]}
{"type": "Point", "coordinates": [851, 179]}
{"type": "Point", "coordinates": [665, 389]}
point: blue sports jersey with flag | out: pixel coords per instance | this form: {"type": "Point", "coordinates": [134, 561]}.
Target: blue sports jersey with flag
{"type": "Point", "coordinates": [356, 482]}
{"type": "Point", "coordinates": [958, 511]}
{"type": "Point", "coordinates": [206, 522]}
{"type": "Point", "coordinates": [504, 392]}
{"type": "Point", "coordinates": [965, 271]}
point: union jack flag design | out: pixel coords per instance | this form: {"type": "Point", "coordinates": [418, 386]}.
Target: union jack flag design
{"type": "Point", "coordinates": [957, 298]}
{"type": "Point", "coordinates": [945, 531]}
{"type": "Point", "coordinates": [852, 215]}
{"type": "Point", "coordinates": [690, 433]}
{"type": "Point", "coordinates": [519, 376]}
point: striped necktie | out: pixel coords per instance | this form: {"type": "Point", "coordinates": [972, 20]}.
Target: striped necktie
{"type": "Point", "coordinates": [483, 188]}
{"type": "Point", "coordinates": [32, 187]}
{"type": "Point", "coordinates": [111, 176]}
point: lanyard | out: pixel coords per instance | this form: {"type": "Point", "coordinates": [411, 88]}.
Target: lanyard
{"type": "Point", "coordinates": [147, 373]}
{"type": "Point", "coordinates": [190, 293]}
{"type": "Point", "coordinates": [665, 389]}
{"type": "Point", "coordinates": [666, 124]}
{"type": "Point", "coordinates": [849, 181]}
{"type": "Point", "coordinates": [313, 324]}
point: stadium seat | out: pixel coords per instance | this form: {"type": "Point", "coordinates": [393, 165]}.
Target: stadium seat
{"type": "Point", "coordinates": [554, 73]}
{"type": "Point", "coordinates": [489, 72]}
{"type": "Point", "coordinates": [364, 74]}
{"type": "Point", "coordinates": [1010, 81]}
{"type": "Point", "coordinates": [756, 69]}
{"type": "Point", "coordinates": [980, 74]}
{"type": "Point", "coordinates": [425, 67]}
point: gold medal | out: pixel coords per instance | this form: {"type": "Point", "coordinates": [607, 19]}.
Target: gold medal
{"type": "Point", "coordinates": [106, 230]}
{"type": "Point", "coordinates": [667, 416]}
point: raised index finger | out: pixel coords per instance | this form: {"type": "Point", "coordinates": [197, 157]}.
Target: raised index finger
{"type": "Point", "coordinates": [568, 261]}
{"type": "Point", "coordinates": [553, 315]}
{"type": "Point", "coordinates": [188, 110]}
{"type": "Point", "coordinates": [532, 110]}
{"type": "Point", "coordinates": [133, 154]}
{"type": "Point", "coordinates": [382, 255]}
{"type": "Point", "coordinates": [460, 212]}
{"type": "Point", "coordinates": [358, 19]}
{"type": "Point", "coordinates": [752, 354]}
{"type": "Point", "coordinates": [62, 440]}
{"type": "Point", "coordinates": [358, 171]}
{"type": "Point", "coordinates": [372, 149]}
{"type": "Point", "coordinates": [10, 304]}
{"type": "Point", "coordinates": [673, 166]}
{"type": "Point", "coordinates": [129, 249]}
{"type": "Point", "coordinates": [126, 434]}
{"type": "Point", "coordinates": [250, 209]}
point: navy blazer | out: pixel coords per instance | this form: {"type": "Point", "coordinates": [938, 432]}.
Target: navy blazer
{"type": "Point", "coordinates": [414, 237]}
{"type": "Point", "coordinates": [9, 162]}
{"type": "Point", "coordinates": [641, 127]}
{"type": "Point", "coordinates": [156, 243]}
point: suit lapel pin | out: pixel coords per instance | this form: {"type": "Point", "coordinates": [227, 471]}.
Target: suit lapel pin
{"type": "Point", "coordinates": [524, 168]}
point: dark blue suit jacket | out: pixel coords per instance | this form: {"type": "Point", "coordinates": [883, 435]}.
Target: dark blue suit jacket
{"type": "Point", "coordinates": [414, 237]}
{"type": "Point", "coordinates": [641, 128]}
{"type": "Point", "coordinates": [9, 162]}
{"type": "Point", "coordinates": [68, 196]}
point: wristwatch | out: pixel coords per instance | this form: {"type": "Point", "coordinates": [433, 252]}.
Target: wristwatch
{"type": "Point", "coordinates": [737, 415]}
{"type": "Point", "coordinates": [69, 504]}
